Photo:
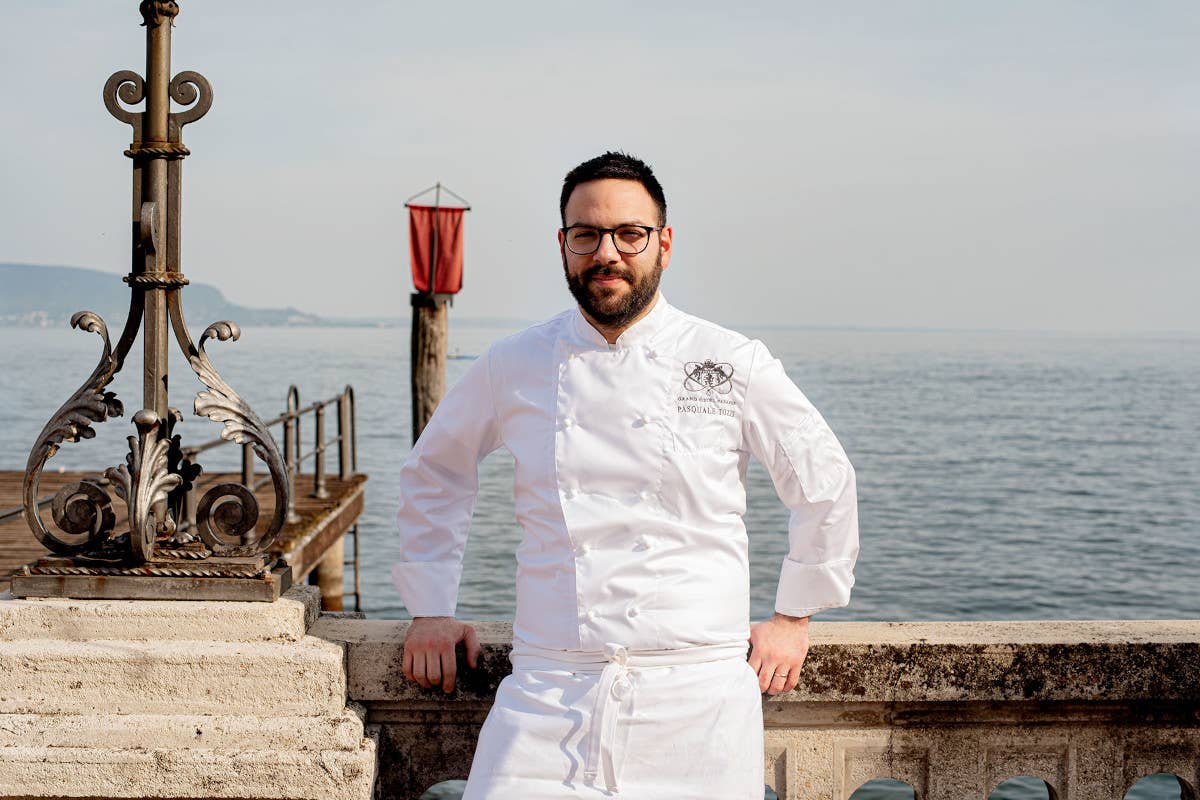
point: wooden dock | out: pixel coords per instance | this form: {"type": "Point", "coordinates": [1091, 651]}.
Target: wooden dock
{"type": "Point", "coordinates": [322, 524]}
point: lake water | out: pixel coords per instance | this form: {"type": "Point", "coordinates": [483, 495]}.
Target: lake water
{"type": "Point", "coordinates": [1001, 475]}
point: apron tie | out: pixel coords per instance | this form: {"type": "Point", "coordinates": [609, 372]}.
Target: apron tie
{"type": "Point", "coordinates": [614, 687]}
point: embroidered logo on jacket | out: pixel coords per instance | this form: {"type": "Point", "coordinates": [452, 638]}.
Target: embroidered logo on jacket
{"type": "Point", "coordinates": [708, 376]}
{"type": "Point", "coordinates": [707, 382]}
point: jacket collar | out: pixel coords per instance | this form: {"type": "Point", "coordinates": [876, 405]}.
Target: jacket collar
{"type": "Point", "coordinates": [641, 332]}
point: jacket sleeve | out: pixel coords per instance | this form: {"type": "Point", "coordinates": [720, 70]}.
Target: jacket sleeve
{"type": "Point", "coordinates": [438, 484]}
{"type": "Point", "coordinates": [814, 479]}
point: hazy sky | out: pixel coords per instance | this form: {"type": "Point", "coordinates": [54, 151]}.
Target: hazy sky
{"type": "Point", "coordinates": [966, 164]}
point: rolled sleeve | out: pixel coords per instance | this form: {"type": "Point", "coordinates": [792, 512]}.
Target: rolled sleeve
{"type": "Point", "coordinates": [814, 479]}
{"type": "Point", "coordinates": [438, 485]}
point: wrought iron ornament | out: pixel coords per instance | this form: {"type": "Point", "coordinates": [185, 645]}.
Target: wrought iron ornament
{"type": "Point", "coordinates": [155, 475]}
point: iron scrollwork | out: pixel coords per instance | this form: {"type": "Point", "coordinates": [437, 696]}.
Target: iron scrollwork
{"type": "Point", "coordinates": [228, 511]}
{"type": "Point", "coordinates": [82, 508]}
{"type": "Point", "coordinates": [125, 86]}
{"type": "Point", "coordinates": [186, 88]}
{"type": "Point", "coordinates": [158, 477]}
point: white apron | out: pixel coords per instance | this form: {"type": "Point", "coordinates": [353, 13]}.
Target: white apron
{"type": "Point", "coordinates": [670, 724]}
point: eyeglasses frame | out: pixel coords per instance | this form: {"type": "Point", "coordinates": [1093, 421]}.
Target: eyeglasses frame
{"type": "Point", "coordinates": [612, 234]}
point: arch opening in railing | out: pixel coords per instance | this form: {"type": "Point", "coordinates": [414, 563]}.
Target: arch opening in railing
{"type": "Point", "coordinates": [445, 790]}
{"type": "Point", "coordinates": [884, 789]}
{"type": "Point", "coordinates": [1161, 786]}
{"type": "Point", "coordinates": [1024, 787]}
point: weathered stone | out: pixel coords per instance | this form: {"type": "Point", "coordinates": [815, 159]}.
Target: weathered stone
{"type": "Point", "coordinates": [160, 620]}
{"type": "Point", "coordinates": [952, 709]}
{"type": "Point", "coordinates": [200, 773]}
{"type": "Point", "coordinates": [195, 700]}
{"type": "Point", "coordinates": [342, 731]}
{"type": "Point", "coordinates": [47, 676]}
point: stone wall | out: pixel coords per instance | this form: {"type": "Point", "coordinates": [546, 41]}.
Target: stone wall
{"type": "Point", "coordinates": [952, 709]}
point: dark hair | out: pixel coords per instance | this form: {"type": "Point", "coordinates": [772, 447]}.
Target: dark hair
{"type": "Point", "coordinates": [621, 166]}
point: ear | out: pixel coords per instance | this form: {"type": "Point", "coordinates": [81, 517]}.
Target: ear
{"type": "Point", "coordinates": [664, 237]}
{"type": "Point", "coordinates": [562, 240]}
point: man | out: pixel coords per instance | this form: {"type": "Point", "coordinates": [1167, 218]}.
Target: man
{"type": "Point", "coordinates": [630, 423]}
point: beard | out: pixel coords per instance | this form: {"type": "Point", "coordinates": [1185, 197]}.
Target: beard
{"type": "Point", "coordinates": [604, 305]}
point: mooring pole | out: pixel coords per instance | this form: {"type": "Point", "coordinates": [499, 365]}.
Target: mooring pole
{"type": "Point", "coordinates": [430, 330]}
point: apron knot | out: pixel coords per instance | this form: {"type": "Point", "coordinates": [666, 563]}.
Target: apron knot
{"type": "Point", "coordinates": [614, 687]}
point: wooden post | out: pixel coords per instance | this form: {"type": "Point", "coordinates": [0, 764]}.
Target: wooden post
{"type": "Point", "coordinates": [430, 330]}
{"type": "Point", "coordinates": [330, 575]}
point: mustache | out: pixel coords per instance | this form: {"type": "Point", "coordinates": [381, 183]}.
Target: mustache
{"type": "Point", "coordinates": [605, 271]}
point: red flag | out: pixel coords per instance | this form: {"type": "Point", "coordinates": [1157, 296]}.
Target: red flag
{"type": "Point", "coordinates": [449, 267]}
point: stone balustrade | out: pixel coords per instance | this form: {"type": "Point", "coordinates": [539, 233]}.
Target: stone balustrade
{"type": "Point", "coordinates": [950, 708]}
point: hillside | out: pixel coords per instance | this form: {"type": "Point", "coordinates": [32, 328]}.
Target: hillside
{"type": "Point", "coordinates": [42, 296]}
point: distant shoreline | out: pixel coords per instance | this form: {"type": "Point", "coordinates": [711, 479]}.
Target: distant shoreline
{"type": "Point", "coordinates": [35, 296]}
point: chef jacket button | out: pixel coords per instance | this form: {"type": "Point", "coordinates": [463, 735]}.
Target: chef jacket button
{"type": "Point", "coordinates": [646, 494]}
{"type": "Point", "coordinates": [570, 494]}
{"type": "Point", "coordinates": [643, 543]}
{"type": "Point", "coordinates": [643, 420]}
{"type": "Point", "coordinates": [591, 615]}
{"type": "Point", "coordinates": [621, 688]}
{"type": "Point", "coordinates": [631, 612]}
{"type": "Point", "coordinates": [651, 353]}
{"type": "Point", "coordinates": [582, 550]}
{"type": "Point", "coordinates": [568, 422]}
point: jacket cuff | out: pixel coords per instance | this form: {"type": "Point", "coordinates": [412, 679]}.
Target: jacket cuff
{"type": "Point", "coordinates": [805, 589]}
{"type": "Point", "coordinates": [428, 588]}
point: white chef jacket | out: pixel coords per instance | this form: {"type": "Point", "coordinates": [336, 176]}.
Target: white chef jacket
{"type": "Point", "coordinates": [629, 484]}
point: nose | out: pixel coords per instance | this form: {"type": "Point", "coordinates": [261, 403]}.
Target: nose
{"type": "Point", "coordinates": [607, 252]}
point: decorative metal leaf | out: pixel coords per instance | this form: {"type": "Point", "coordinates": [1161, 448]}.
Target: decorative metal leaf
{"type": "Point", "coordinates": [144, 482]}
{"type": "Point", "coordinates": [72, 422]}
{"type": "Point", "coordinates": [220, 403]}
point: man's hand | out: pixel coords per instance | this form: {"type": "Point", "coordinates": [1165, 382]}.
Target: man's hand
{"type": "Point", "coordinates": [428, 654]}
{"type": "Point", "coordinates": [777, 650]}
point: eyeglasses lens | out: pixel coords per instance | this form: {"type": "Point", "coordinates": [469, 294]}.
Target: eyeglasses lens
{"type": "Point", "coordinates": [628, 239]}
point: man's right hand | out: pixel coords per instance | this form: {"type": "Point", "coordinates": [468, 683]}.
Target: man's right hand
{"type": "Point", "coordinates": [428, 655]}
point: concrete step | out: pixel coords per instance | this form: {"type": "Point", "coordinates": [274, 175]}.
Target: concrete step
{"type": "Point", "coordinates": [94, 772]}
{"type": "Point", "coordinates": [49, 676]}
{"type": "Point", "coordinates": [285, 620]}
{"type": "Point", "coordinates": [342, 731]}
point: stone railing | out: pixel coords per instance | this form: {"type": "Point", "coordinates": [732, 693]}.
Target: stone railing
{"type": "Point", "coordinates": [952, 709]}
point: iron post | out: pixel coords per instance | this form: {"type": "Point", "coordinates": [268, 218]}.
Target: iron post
{"type": "Point", "coordinates": [172, 532]}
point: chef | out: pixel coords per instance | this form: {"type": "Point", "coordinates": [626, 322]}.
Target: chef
{"type": "Point", "coordinates": [630, 423]}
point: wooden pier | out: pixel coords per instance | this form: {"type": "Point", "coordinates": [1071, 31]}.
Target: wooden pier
{"type": "Point", "coordinates": [324, 513]}
{"type": "Point", "coordinates": [317, 534]}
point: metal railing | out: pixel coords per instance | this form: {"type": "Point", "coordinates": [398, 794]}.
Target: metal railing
{"type": "Point", "coordinates": [294, 458]}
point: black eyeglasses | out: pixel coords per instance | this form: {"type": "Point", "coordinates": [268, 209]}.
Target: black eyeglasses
{"type": "Point", "coordinates": [583, 240]}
